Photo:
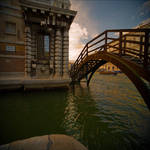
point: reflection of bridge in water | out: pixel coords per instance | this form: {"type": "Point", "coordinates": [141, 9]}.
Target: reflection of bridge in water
{"type": "Point", "coordinates": [128, 49]}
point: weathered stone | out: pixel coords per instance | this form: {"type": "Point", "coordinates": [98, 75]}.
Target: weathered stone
{"type": "Point", "coordinates": [66, 63]}
{"type": "Point", "coordinates": [28, 48]}
{"type": "Point", "coordinates": [28, 56]}
{"type": "Point", "coordinates": [65, 50]}
{"type": "Point", "coordinates": [28, 69]}
{"type": "Point", "coordinates": [66, 46]}
{"type": "Point", "coordinates": [65, 54]}
{"type": "Point", "coordinates": [51, 65]}
{"type": "Point", "coordinates": [27, 39]}
{"type": "Point", "coordinates": [4, 147]}
{"type": "Point", "coordinates": [34, 66]}
{"type": "Point", "coordinates": [52, 46]}
{"type": "Point", "coordinates": [66, 68]}
{"type": "Point", "coordinates": [58, 32]}
{"type": "Point", "coordinates": [65, 42]}
{"type": "Point", "coordinates": [35, 143]}
{"type": "Point", "coordinates": [58, 38]}
{"type": "Point", "coordinates": [66, 39]}
{"type": "Point", "coordinates": [66, 57]}
{"type": "Point", "coordinates": [28, 52]}
{"type": "Point", "coordinates": [27, 29]}
{"type": "Point", "coordinates": [57, 47]}
{"type": "Point", "coordinates": [53, 20]}
{"type": "Point", "coordinates": [57, 64]}
{"type": "Point", "coordinates": [63, 23]}
{"type": "Point", "coordinates": [57, 55]}
{"type": "Point", "coordinates": [65, 33]}
{"type": "Point", "coordinates": [28, 60]}
{"type": "Point", "coordinates": [63, 142]}
{"type": "Point", "coordinates": [57, 42]}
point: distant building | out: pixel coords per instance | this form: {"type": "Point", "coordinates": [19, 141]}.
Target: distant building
{"type": "Point", "coordinates": [34, 39]}
{"type": "Point", "coordinates": [70, 65]}
{"type": "Point", "coordinates": [109, 66]}
{"type": "Point", "coordinates": [144, 24]}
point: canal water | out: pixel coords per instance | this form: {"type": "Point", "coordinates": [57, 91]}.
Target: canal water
{"type": "Point", "coordinates": [109, 115]}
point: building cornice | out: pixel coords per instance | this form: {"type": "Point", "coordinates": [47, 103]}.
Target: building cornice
{"type": "Point", "coordinates": [9, 13]}
{"type": "Point", "coordinates": [44, 7]}
{"type": "Point", "coordinates": [11, 56]}
{"type": "Point", "coordinates": [10, 42]}
{"type": "Point", "coordinates": [5, 5]}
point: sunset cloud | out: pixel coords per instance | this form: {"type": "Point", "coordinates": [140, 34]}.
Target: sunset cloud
{"type": "Point", "coordinates": [82, 29]}
{"type": "Point", "coordinates": [77, 35]}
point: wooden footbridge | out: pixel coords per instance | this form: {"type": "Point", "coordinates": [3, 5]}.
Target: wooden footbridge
{"type": "Point", "coordinates": [128, 49]}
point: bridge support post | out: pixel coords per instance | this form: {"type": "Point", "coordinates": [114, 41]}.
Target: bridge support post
{"type": "Point", "coordinates": [120, 43]}
{"type": "Point", "coordinates": [105, 48]}
{"type": "Point", "coordinates": [146, 48]}
{"type": "Point", "coordinates": [141, 40]}
{"type": "Point", "coordinates": [89, 79]}
{"type": "Point", "coordinates": [124, 52]}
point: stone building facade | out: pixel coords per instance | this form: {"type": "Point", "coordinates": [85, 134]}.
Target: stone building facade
{"type": "Point", "coordinates": [34, 38]}
{"type": "Point", "coordinates": [132, 46]}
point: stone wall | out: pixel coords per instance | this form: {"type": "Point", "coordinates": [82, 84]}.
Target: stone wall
{"type": "Point", "coordinates": [11, 61]}
{"type": "Point", "coordinates": [33, 20]}
{"type": "Point", "coordinates": [11, 64]}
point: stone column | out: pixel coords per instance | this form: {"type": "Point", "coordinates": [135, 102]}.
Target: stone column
{"type": "Point", "coordinates": [65, 53]}
{"type": "Point", "coordinates": [52, 53]}
{"type": "Point", "coordinates": [34, 48]}
{"type": "Point", "coordinates": [28, 52]}
{"type": "Point", "coordinates": [57, 53]}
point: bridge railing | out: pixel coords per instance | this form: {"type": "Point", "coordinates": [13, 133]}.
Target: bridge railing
{"type": "Point", "coordinates": [133, 42]}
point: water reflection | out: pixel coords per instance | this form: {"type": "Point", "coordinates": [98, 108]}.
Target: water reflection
{"type": "Point", "coordinates": [110, 114]}
{"type": "Point", "coordinates": [24, 115]}
{"type": "Point", "coordinates": [103, 117]}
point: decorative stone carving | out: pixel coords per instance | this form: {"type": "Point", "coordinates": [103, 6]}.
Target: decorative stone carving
{"type": "Point", "coordinates": [65, 53]}
{"type": "Point", "coordinates": [62, 4]}
{"type": "Point", "coordinates": [54, 23]}
{"type": "Point", "coordinates": [27, 51]}
{"type": "Point", "coordinates": [57, 52]}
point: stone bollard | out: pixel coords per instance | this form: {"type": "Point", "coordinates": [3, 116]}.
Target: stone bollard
{"type": "Point", "coordinates": [46, 142]}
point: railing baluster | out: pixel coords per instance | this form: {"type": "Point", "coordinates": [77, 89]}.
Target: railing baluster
{"type": "Point", "coordinates": [105, 48]}
{"type": "Point", "coordinates": [87, 50]}
{"type": "Point", "coordinates": [124, 52]}
{"type": "Point", "coordinates": [141, 40]}
{"type": "Point", "coordinates": [120, 43]}
{"type": "Point", "coordinates": [146, 48]}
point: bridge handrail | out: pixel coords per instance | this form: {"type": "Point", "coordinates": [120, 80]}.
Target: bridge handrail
{"type": "Point", "coordinates": [122, 39]}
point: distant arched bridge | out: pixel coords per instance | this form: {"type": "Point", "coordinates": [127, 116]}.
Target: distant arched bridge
{"type": "Point", "coordinates": [128, 49]}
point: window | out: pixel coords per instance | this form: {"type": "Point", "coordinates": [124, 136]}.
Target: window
{"type": "Point", "coordinates": [10, 48]}
{"type": "Point", "coordinates": [10, 28]}
{"type": "Point", "coordinates": [46, 45]}
{"type": "Point", "coordinates": [113, 68]}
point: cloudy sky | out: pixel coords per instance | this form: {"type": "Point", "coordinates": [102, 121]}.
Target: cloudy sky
{"type": "Point", "coordinates": [96, 16]}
